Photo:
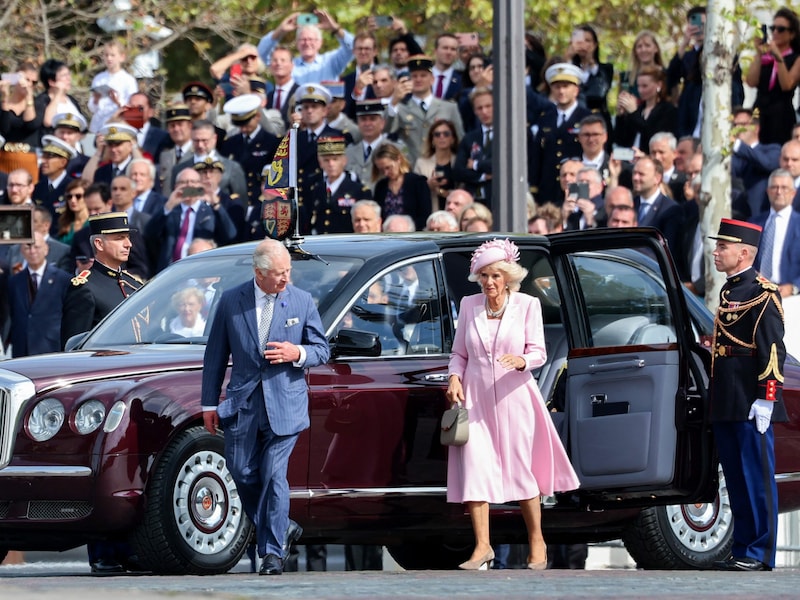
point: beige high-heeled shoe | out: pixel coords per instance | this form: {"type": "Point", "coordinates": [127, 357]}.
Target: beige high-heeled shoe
{"type": "Point", "coordinates": [481, 564]}
{"type": "Point", "coordinates": [539, 566]}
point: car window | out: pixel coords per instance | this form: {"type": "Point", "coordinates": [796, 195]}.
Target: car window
{"type": "Point", "coordinates": [625, 304]}
{"type": "Point", "coordinates": [179, 305]}
{"type": "Point", "coordinates": [402, 307]}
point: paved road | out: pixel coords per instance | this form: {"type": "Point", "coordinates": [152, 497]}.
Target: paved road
{"type": "Point", "coordinates": [70, 581]}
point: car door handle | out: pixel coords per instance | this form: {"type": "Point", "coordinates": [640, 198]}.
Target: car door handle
{"type": "Point", "coordinates": [633, 363]}
{"type": "Point", "coordinates": [437, 378]}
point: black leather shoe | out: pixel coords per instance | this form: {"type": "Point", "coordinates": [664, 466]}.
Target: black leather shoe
{"type": "Point", "coordinates": [293, 533]}
{"type": "Point", "coordinates": [740, 564]}
{"type": "Point", "coordinates": [271, 565]}
{"type": "Point", "coordinates": [106, 566]}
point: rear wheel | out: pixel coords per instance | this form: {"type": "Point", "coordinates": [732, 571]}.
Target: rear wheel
{"type": "Point", "coordinates": [685, 536]}
{"type": "Point", "coordinates": [194, 522]}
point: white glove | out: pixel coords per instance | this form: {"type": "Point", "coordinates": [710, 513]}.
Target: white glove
{"type": "Point", "coordinates": [761, 410]}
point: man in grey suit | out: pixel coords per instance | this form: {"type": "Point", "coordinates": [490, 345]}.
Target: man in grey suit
{"type": "Point", "coordinates": [204, 142]}
{"type": "Point", "coordinates": [410, 117]}
{"type": "Point", "coordinates": [272, 331]}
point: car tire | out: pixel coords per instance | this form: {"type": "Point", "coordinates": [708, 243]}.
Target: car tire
{"type": "Point", "coordinates": [430, 556]}
{"type": "Point", "coordinates": [194, 522]}
{"type": "Point", "coordinates": [684, 536]}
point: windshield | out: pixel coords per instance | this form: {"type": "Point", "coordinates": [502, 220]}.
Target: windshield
{"type": "Point", "coordinates": [178, 306]}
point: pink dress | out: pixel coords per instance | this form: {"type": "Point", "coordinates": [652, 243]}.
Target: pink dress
{"type": "Point", "coordinates": [513, 452]}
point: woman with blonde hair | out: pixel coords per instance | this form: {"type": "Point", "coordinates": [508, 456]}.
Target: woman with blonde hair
{"type": "Point", "coordinates": [513, 452]}
{"type": "Point", "coordinates": [189, 322]}
{"type": "Point", "coordinates": [646, 52]}
{"type": "Point", "coordinates": [472, 210]}
{"type": "Point", "coordinates": [399, 191]}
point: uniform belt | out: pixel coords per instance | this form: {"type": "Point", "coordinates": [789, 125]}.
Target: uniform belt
{"type": "Point", "coordinates": [17, 147]}
{"type": "Point", "coordinates": [734, 351]}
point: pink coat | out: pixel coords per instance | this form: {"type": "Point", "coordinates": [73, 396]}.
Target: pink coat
{"type": "Point", "coordinates": [513, 452]}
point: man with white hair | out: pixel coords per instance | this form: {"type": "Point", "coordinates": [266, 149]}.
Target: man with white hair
{"type": "Point", "coordinates": [143, 174]}
{"type": "Point", "coordinates": [398, 224]}
{"type": "Point", "coordinates": [311, 66]}
{"type": "Point", "coordinates": [663, 147]}
{"type": "Point", "coordinates": [441, 220]}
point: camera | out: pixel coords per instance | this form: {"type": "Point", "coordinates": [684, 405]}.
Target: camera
{"type": "Point", "coordinates": [307, 19]}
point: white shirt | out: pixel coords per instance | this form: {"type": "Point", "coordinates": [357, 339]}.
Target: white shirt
{"type": "Point", "coordinates": [261, 296]}
{"type": "Point", "coordinates": [123, 84]}
{"type": "Point", "coordinates": [448, 76]}
{"type": "Point", "coordinates": [781, 227]}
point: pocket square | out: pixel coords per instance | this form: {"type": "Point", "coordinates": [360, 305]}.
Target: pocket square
{"type": "Point", "coordinates": [292, 321]}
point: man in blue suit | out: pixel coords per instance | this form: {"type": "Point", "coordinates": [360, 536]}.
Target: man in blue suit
{"type": "Point", "coordinates": [35, 296]}
{"type": "Point", "coordinates": [752, 162]}
{"type": "Point", "coordinates": [272, 331]}
{"type": "Point", "coordinates": [778, 257]}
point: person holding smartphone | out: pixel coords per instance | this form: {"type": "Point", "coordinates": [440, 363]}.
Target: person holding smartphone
{"type": "Point", "coordinates": [685, 67]}
{"type": "Point", "coordinates": [188, 213]}
{"type": "Point", "coordinates": [775, 73]}
{"type": "Point", "coordinates": [311, 66]}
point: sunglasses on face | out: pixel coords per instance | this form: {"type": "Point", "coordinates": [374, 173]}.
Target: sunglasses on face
{"type": "Point", "coordinates": [779, 28]}
{"type": "Point", "coordinates": [441, 134]}
{"type": "Point", "coordinates": [78, 196]}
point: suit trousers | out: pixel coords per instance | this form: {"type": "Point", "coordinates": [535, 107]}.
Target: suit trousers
{"type": "Point", "coordinates": [748, 461]}
{"type": "Point", "coordinates": [258, 460]}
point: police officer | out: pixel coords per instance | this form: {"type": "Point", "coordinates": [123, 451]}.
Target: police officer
{"type": "Point", "coordinates": [746, 395]}
{"type": "Point", "coordinates": [96, 291]}
{"type": "Point", "coordinates": [334, 191]}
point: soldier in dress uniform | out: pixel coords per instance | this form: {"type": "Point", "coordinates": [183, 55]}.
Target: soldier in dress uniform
{"type": "Point", "coordinates": [253, 148]}
{"type": "Point", "coordinates": [70, 128]}
{"type": "Point", "coordinates": [93, 294]}
{"type": "Point", "coordinates": [96, 291]}
{"type": "Point", "coordinates": [313, 100]}
{"type": "Point", "coordinates": [556, 137]}
{"type": "Point", "coordinates": [747, 395]}
{"type": "Point", "coordinates": [49, 192]}
{"type": "Point", "coordinates": [333, 192]}
{"type": "Point", "coordinates": [179, 128]}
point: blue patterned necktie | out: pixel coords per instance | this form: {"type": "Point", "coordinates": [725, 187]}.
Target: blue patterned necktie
{"type": "Point", "coordinates": [264, 322]}
{"type": "Point", "coordinates": [768, 247]}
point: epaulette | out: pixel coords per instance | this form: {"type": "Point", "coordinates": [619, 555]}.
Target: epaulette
{"type": "Point", "coordinates": [233, 196]}
{"type": "Point", "coordinates": [766, 284]}
{"type": "Point", "coordinates": [81, 277]}
{"type": "Point", "coordinates": [134, 277]}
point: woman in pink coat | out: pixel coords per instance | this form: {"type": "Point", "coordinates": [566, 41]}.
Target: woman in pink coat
{"type": "Point", "coordinates": [513, 452]}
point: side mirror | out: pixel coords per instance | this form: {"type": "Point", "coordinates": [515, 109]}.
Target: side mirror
{"type": "Point", "coordinates": [351, 342]}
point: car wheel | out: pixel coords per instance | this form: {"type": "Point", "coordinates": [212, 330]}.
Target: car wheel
{"type": "Point", "coordinates": [194, 522]}
{"type": "Point", "coordinates": [427, 556]}
{"type": "Point", "coordinates": [685, 536]}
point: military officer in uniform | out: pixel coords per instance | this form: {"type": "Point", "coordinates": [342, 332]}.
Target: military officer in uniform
{"type": "Point", "coordinates": [70, 128]}
{"type": "Point", "coordinates": [313, 100]}
{"type": "Point", "coordinates": [93, 294]}
{"type": "Point", "coordinates": [96, 291]}
{"type": "Point", "coordinates": [556, 137]}
{"type": "Point", "coordinates": [333, 192]}
{"type": "Point", "coordinates": [413, 108]}
{"type": "Point", "coordinates": [49, 192]}
{"type": "Point", "coordinates": [747, 395]}
{"type": "Point", "coordinates": [253, 148]}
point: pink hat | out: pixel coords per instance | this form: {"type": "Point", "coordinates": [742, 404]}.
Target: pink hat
{"type": "Point", "coordinates": [491, 252]}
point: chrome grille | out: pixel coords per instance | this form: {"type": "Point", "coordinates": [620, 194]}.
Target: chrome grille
{"type": "Point", "coordinates": [15, 392]}
{"type": "Point", "coordinates": [58, 510]}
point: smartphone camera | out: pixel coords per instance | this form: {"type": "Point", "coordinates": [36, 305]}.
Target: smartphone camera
{"type": "Point", "coordinates": [307, 19]}
{"type": "Point", "coordinates": [193, 191]}
{"type": "Point", "coordinates": [384, 21]}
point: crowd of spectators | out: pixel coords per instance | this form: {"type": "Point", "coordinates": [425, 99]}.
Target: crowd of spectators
{"type": "Point", "coordinates": [400, 141]}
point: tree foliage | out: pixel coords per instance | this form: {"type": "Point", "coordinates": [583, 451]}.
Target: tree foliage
{"type": "Point", "coordinates": [203, 30]}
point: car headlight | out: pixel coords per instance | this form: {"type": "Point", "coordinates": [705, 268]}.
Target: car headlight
{"type": "Point", "coordinates": [89, 416]}
{"type": "Point", "coordinates": [46, 419]}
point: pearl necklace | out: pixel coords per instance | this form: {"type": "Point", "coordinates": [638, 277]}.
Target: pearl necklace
{"type": "Point", "coordinates": [496, 313]}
